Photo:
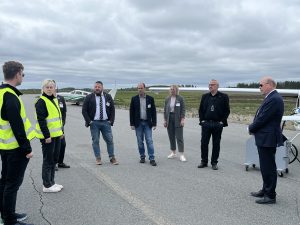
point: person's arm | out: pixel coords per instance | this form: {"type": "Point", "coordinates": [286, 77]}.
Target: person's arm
{"type": "Point", "coordinates": [265, 115]}
{"type": "Point", "coordinates": [85, 111]}
{"type": "Point", "coordinates": [42, 114]}
{"type": "Point", "coordinates": [11, 112]}
{"type": "Point", "coordinates": [201, 109]}
{"type": "Point", "coordinates": [153, 111]}
{"type": "Point", "coordinates": [131, 113]}
{"type": "Point", "coordinates": [226, 110]}
{"type": "Point", "coordinates": [182, 111]}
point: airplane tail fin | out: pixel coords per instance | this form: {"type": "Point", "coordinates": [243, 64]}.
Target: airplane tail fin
{"type": "Point", "coordinates": [113, 92]}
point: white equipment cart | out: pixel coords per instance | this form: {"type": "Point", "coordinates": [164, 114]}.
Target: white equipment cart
{"type": "Point", "coordinates": [282, 159]}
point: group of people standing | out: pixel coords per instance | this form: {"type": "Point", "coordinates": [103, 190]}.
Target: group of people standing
{"type": "Point", "coordinates": [98, 111]}
{"type": "Point", "coordinates": [16, 132]}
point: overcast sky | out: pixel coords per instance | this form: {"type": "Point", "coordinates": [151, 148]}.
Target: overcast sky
{"type": "Point", "coordinates": [77, 42]}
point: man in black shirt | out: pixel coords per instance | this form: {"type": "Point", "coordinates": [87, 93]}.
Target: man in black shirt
{"type": "Point", "coordinates": [213, 113]}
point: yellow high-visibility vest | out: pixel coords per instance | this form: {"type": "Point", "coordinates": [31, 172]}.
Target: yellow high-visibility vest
{"type": "Point", "coordinates": [7, 138]}
{"type": "Point", "coordinates": [54, 119]}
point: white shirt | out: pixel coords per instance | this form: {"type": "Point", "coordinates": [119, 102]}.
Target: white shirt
{"type": "Point", "coordinates": [97, 115]}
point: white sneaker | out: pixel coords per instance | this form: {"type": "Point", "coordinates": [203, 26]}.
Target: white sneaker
{"type": "Point", "coordinates": [182, 158]}
{"type": "Point", "coordinates": [172, 155]}
{"type": "Point", "coordinates": [59, 185]}
{"type": "Point", "coordinates": [51, 189]}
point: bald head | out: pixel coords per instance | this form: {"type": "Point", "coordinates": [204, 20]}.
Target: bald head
{"type": "Point", "coordinates": [266, 85]}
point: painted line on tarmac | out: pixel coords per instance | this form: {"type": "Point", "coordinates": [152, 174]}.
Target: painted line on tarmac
{"type": "Point", "coordinates": [128, 196]}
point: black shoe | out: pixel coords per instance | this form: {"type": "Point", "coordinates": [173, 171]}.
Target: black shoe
{"type": "Point", "coordinates": [153, 163]}
{"type": "Point", "coordinates": [214, 167]}
{"type": "Point", "coordinates": [258, 194]}
{"type": "Point", "coordinates": [266, 200]}
{"type": "Point", "coordinates": [63, 165]}
{"type": "Point", "coordinates": [56, 168]}
{"type": "Point", "coordinates": [202, 165]}
{"type": "Point", "coordinates": [142, 160]}
{"type": "Point", "coordinates": [21, 216]}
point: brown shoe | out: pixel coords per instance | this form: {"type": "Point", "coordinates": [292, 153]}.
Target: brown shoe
{"type": "Point", "coordinates": [114, 161]}
{"type": "Point", "coordinates": [98, 161]}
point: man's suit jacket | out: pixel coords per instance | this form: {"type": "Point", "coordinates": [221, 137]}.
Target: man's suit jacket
{"type": "Point", "coordinates": [63, 108]}
{"type": "Point", "coordinates": [134, 113]}
{"type": "Point", "coordinates": [89, 108]}
{"type": "Point", "coordinates": [266, 123]}
{"type": "Point", "coordinates": [179, 110]}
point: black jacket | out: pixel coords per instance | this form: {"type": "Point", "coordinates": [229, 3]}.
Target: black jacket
{"type": "Point", "coordinates": [222, 107]}
{"type": "Point", "coordinates": [135, 111]}
{"type": "Point", "coordinates": [10, 111]}
{"type": "Point", "coordinates": [89, 108]}
{"type": "Point", "coordinates": [63, 108]}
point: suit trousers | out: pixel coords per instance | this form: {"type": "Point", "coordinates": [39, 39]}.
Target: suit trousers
{"type": "Point", "coordinates": [175, 134]}
{"type": "Point", "coordinates": [50, 158]}
{"type": "Point", "coordinates": [268, 170]}
{"type": "Point", "coordinates": [214, 129]}
{"type": "Point", "coordinates": [62, 150]}
{"type": "Point", "coordinates": [14, 163]}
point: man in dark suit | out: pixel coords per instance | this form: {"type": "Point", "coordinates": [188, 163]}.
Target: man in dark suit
{"type": "Point", "coordinates": [268, 136]}
{"type": "Point", "coordinates": [213, 113]}
{"type": "Point", "coordinates": [98, 110]}
{"type": "Point", "coordinates": [142, 120]}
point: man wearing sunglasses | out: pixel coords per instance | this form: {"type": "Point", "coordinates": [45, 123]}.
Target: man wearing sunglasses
{"type": "Point", "coordinates": [268, 135]}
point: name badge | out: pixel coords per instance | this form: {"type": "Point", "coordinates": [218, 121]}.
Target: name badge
{"type": "Point", "coordinates": [178, 104]}
{"type": "Point", "coordinates": [149, 106]}
{"type": "Point", "coordinates": [61, 105]}
{"type": "Point", "coordinates": [107, 104]}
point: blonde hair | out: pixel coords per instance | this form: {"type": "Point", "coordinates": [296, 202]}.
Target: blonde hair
{"type": "Point", "coordinates": [176, 88]}
{"type": "Point", "coordinates": [47, 82]}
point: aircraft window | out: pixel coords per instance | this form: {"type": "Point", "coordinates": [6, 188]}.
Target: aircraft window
{"type": "Point", "coordinates": [72, 92]}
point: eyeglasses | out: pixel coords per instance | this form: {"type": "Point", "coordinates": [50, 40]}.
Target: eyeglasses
{"type": "Point", "coordinates": [261, 85]}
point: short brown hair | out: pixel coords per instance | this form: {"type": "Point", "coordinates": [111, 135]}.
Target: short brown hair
{"type": "Point", "coordinates": [11, 68]}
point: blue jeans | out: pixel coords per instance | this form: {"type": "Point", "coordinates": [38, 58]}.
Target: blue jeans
{"type": "Point", "coordinates": [143, 130]}
{"type": "Point", "coordinates": [104, 127]}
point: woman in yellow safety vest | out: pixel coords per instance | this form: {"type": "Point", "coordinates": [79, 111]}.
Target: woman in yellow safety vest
{"type": "Point", "coordinates": [49, 131]}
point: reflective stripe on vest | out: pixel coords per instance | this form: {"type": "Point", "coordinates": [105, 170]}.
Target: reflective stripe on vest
{"type": "Point", "coordinates": [7, 138]}
{"type": "Point", "coordinates": [54, 120]}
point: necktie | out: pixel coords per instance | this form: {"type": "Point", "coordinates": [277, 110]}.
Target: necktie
{"type": "Point", "coordinates": [101, 108]}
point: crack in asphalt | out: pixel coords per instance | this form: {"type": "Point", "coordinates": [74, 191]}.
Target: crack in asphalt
{"type": "Point", "coordinates": [41, 198]}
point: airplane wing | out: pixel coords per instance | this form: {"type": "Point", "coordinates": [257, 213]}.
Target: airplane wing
{"type": "Point", "coordinates": [291, 118]}
{"type": "Point", "coordinates": [294, 92]}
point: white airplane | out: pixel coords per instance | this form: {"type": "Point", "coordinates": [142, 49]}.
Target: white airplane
{"type": "Point", "coordinates": [77, 96]}
{"type": "Point", "coordinates": [295, 117]}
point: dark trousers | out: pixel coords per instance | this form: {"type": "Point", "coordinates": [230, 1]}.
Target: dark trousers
{"type": "Point", "coordinates": [50, 158]}
{"type": "Point", "coordinates": [14, 163]}
{"type": "Point", "coordinates": [175, 133]}
{"type": "Point", "coordinates": [268, 170]}
{"type": "Point", "coordinates": [214, 129]}
{"type": "Point", "coordinates": [62, 150]}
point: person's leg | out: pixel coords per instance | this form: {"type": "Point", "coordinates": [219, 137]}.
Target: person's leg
{"type": "Point", "coordinates": [56, 148]}
{"type": "Point", "coordinates": [48, 161]}
{"type": "Point", "coordinates": [171, 132]}
{"type": "Point", "coordinates": [179, 138]}
{"type": "Point", "coordinates": [95, 133]}
{"type": "Point", "coordinates": [62, 150]}
{"type": "Point", "coordinates": [205, 136]}
{"type": "Point", "coordinates": [15, 170]}
{"type": "Point", "coordinates": [216, 138]}
{"type": "Point", "coordinates": [106, 131]}
{"type": "Point", "coordinates": [268, 170]}
{"type": "Point", "coordinates": [139, 132]}
{"type": "Point", "coordinates": [149, 141]}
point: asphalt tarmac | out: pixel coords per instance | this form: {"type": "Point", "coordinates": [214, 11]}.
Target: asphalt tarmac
{"type": "Point", "coordinates": [173, 193]}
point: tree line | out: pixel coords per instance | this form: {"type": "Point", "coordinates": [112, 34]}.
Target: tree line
{"type": "Point", "coordinates": [280, 85]}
